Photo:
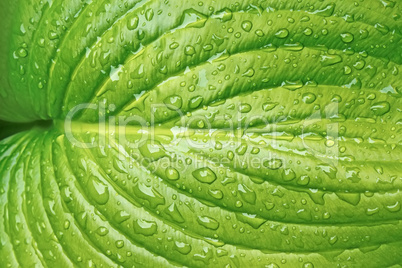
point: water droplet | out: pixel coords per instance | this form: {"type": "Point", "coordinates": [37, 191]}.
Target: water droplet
{"type": "Point", "coordinates": [372, 211]}
{"type": "Point", "coordinates": [224, 15]}
{"type": "Point", "coordinates": [144, 227]}
{"type": "Point", "coordinates": [242, 149]}
{"type": "Point", "coordinates": [359, 64]}
{"type": "Point", "coordinates": [308, 31]}
{"type": "Point", "coordinates": [328, 60]}
{"type": "Point", "coordinates": [66, 224]}
{"type": "Point", "coordinates": [149, 194]}
{"type": "Point", "coordinates": [189, 50]}
{"type": "Point", "coordinates": [149, 14]}
{"type": "Point", "coordinates": [182, 247]}
{"type": "Point", "coordinates": [347, 70]}
{"type": "Point", "coordinates": [388, 3]}
{"type": "Point", "coordinates": [381, 28]}
{"type": "Point", "coordinates": [282, 33]}
{"type": "Point", "coordinates": [173, 212]}
{"type": "Point", "coordinates": [380, 108]}
{"type": "Point", "coordinates": [66, 194]}
{"type": "Point", "coordinates": [174, 45]}
{"type": "Point", "coordinates": [288, 175]}
{"type": "Point", "coordinates": [247, 194]}
{"type": "Point", "coordinates": [268, 106]}
{"type": "Point", "coordinates": [347, 37]}
{"type": "Point", "coordinates": [245, 108]}
{"type": "Point", "coordinates": [238, 204]}
{"type": "Point", "coordinates": [292, 85]}
{"type": "Point", "coordinates": [138, 73]}
{"type": "Point", "coordinates": [332, 240]}
{"type": "Point", "coordinates": [98, 191]}
{"type": "Point", "coordinates": [205, 175]}
{"type": "Point", "coordinates": [53, 35]}
{"type": "Point", "coordinates": [308, 98]}
{"type": "Point", "coordinates": [119, 243]}
{"type": "Point", "coordinates": [195, 102]}
{"type": "Point", "coordinates": [172, 174]}
{"type": "Point", "coordinates": [259, 33]}
{"type": "Point", "coordinates": [329, 143]}
{"type": "Point", "coordinates": [132, 23]}
{"type": "Point", "coordinates": [308, 265]}
{"type": "Point", "coordinates": [192, 18]}
{"type": "Point", "coordinates": [273, 163]}
{"type": "Point", "coordinates": [395, 207]}
{"type": "Point", "coordinates": [249, 73]}
{"type": "Point", "coordinates": [330, 171]}
{"type": "Point", "coordinates": [174, 102]}
{"type": "Point", "coordinates": [102, 231]}
{"type": "Point", "coordinates": [247, 25]}
{"type": "Point", "coordinates": [22, 52]}
{"type": "Point", "coordinates": [217, 194]}
{"type": "Point", "coordinates": [208, 222]}
{"type": "Point", "coordinates": [152, 151]}
{"type": "Point", "coordinates": [351, 198]}
{"type": "Point", "coordinates": [326, 12]}
{"type": "Point", "coordinates": [251, 219]}
{"type": "Point", "coordinates": [121, 216]}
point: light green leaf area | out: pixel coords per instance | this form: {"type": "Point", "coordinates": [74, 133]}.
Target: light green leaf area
{"type": "Point", "coordinates": [201, 133]}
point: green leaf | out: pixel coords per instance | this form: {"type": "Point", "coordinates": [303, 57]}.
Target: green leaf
{"type": "Point", "coordinates": [201, 134]}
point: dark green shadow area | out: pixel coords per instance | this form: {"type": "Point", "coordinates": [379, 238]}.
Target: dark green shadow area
{"type": "Point", "coordinates": [8, 129]}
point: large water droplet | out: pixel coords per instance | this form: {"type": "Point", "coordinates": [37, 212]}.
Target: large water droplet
{"type": "Point", "coordinates": [247, 25]}
{"type": "Point", "coordinates": [98, 191]}
{"type": "Point", "coordinates": [251, 219]}
{"type": "Point", "coordinates": [195, 102]}
{"type": "Point", "coordinates": [149, 194]}
{"type": "Point", "coordinates": [347, 37]}
{"type": "Point", "coordinates": [273, 163]}
{"type": "Point", "coordinates": [351, 198]}
{"type": "Point", "coordinates": [172, 174]}
{"type": "Point", "coordinates": [328, 60]}
{"type": "Point", "coordinates": [173, 212]}
{"type": "Point", "coordinates": [205, 175]}
{"type": "Point", "coordinates": [380, 108]}
{"type": "Point", "coordinates": [144, 227]}
{"type": "Point", "coordinates": [121, 216]}
{"type": "Point", "coordinates": [182, 247]}
{"type": "Point", "coordinates": [152, 150]}
{"type": "Point", "coordinates": [247, 194]}
{"type": "Point", "coordinates": [208, 222]}
{"type": "Point", "coordinates": [174, 102]}
{"type": "Point", "coordinates": [282, 33]}
{"type": "Point", "coordinates": [189, 50]}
